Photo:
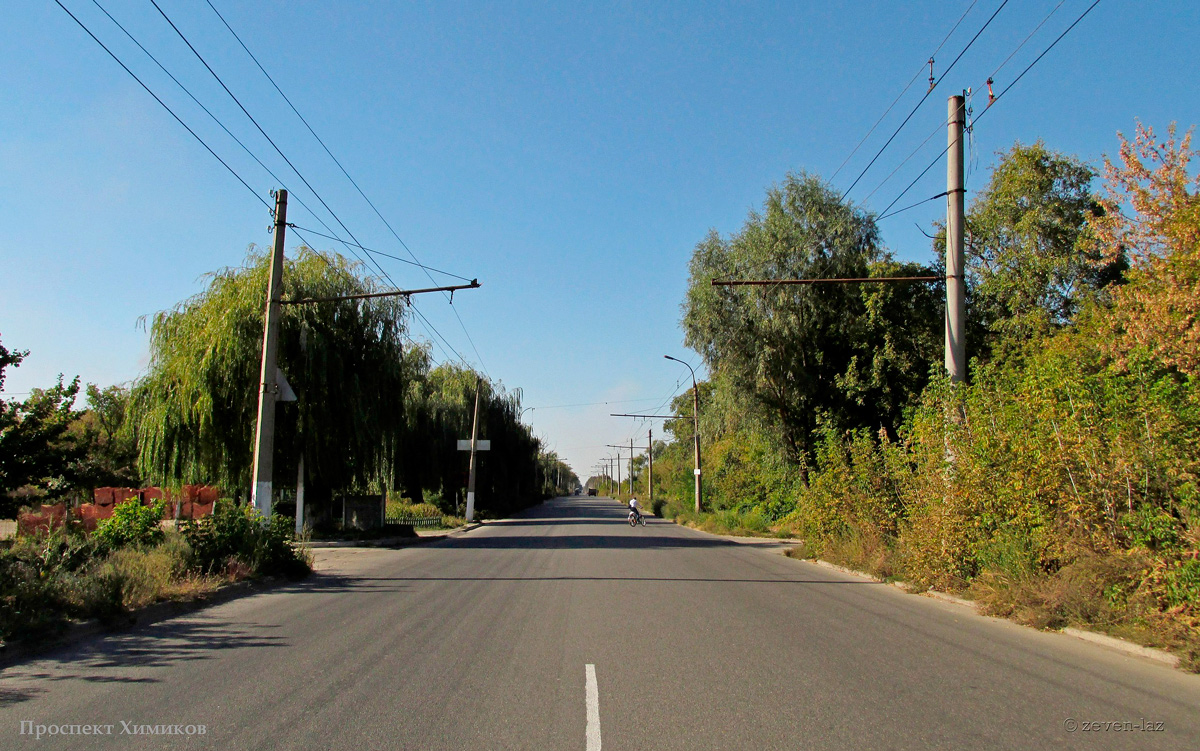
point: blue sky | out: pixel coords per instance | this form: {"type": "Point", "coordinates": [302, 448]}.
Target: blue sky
{"type": "Point", "coordinates": [568, 156]}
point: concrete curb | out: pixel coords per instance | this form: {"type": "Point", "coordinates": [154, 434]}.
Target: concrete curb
{"type": "Point", "coordinates": [1127, 647]}
{"type": "Point", "coordinates": [147, 616]}
{"type": "Point", "coordinates": [1132, 649]}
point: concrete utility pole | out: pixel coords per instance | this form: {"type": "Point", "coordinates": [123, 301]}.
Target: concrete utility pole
{"type": "Point", "coordinates": [631, 467]}
{"type": "Point", "coordinates": [650, 467]}
{"type": "Point", "coordinates": [695, 425]}
{"type": "Point", "coordinates": [268, 382]}
{"type": "Point", "coordinates": [956, 344]}
{"type": "Point", "coordinates": [300, 497]}
{"type": "Point", "coordinates": [474, 445]}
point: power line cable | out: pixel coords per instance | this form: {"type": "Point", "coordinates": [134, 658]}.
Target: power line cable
{"type": "Point", "coordinates": [911, 154]}
{"type": "Point", "coordinates": [1038, 58]}
{"type": "Point", "coordinates": [299, 174]}
{"type": "Point", "coordinates": [1002, 93]}
{"type": "Point", "coordinates": [208, 112]}
{"type": "Point", "coordinates": [1026, 39]}
{"type": "Point", "coordinates": [927, 93]}
{"type": "Point", "coordinates": [252, 120]}
{"type": "Point", "coordinates": [353, 182]}
{"type": "Point", "coordinates": [903, 92]}
{"type": "Point", "coordinates": [170, 111]}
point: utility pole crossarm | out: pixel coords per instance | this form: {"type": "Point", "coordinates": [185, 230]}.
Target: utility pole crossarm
{"type": "Point", "coordinates": [655, 417]}
{"type": "Point", "coordinates": [394, 293]}
{"type": "Point", "coordinates": [844, 280]}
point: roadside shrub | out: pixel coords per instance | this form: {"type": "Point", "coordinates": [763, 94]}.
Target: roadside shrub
{"type": "Point", "coordinates": [46, 580]}
{"type": "Point", "coordinates": [233, 537]}
{"type": "Point", "coordinates": [131, 524]}
{"type": "Point", "coordinates": [412, 509]}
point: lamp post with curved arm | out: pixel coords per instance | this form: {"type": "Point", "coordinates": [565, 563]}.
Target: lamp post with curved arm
{"type": "Point", "coordinates": [695, 424]}
{"type": "Point", "coordinates": [536, 453]}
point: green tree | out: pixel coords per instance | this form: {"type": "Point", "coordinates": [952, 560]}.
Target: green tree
{"type": "Point", "coordinates": [346, 360]}
{"type": "Point", "coordinates": [852, 355]}
{"type": "Point", "coordinates": [36, 449]}
{"type": "Point", "coordinates": [1027, 260]}
{"type": "Point", "coordinates": [108, 439]}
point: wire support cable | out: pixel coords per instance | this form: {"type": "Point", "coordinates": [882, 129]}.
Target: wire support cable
{"type": "Point", "coordinates": [378, 252]}
{"type": "Point", "coordinates": [435, 336]}
{"type": "Point", "coordinates": [923, 201]}
{"type": "Point", "coordinates": [170, 111]}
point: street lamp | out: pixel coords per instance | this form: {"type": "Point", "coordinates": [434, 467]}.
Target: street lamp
{"type": "Point", "coordinates": [696, 424]}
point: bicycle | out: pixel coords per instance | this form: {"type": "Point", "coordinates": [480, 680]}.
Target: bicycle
{"type": "Point", "coordinates": [635, 519]}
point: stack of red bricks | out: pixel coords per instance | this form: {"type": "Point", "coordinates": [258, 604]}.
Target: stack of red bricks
{"type": "Point", "coordinates": [194, 502]}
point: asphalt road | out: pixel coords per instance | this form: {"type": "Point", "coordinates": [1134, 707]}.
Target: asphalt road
{"type": "Point", "coordinates": [483, 641]}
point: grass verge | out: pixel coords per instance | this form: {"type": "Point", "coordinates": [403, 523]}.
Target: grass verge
{"type": "Point", "coordinates": [50, 580]}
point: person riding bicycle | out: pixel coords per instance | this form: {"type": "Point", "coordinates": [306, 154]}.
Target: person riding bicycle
{"type": "Point", "coordinates": [635, 509]}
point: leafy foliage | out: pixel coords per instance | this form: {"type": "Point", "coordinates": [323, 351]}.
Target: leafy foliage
{"type": "Point", "coordinates": [132, 525]}
{"type": "Point", "coordinates": [345, 360]}
{"type": "Point", "coordinates": [1029, 262]}
{"type": "Point", "coordinates": [1067, 489]}
{"type": "Point", "coordinates": [806, 353]}
{"type": "Point", "coordinates": [238, 535]}
{"type": "Point", "coordinates": [108, 440]}
{"type": "Point", "coordinates": [36, 448]}
{"type": "Point", "coordinates": [1153, 216]}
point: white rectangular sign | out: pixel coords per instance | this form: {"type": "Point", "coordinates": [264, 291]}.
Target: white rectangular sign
{"type": "Point", "coordinates": [465, 445]}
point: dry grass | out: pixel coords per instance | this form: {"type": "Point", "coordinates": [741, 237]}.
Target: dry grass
{"type": "Point", "coordinates": [160, 573]}
{"type": "Point", "coordinates": [1105, 593]}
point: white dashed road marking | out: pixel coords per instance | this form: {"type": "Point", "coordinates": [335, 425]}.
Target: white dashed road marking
{"type": "Point", "coordinates": [593, 709]}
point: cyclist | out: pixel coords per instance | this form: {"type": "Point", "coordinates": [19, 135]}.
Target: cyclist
{"type": "Point", "coordinates": [635, 509]}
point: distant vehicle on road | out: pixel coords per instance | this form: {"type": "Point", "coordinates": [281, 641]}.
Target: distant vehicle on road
{"type": "Point", "coordinates": [591, 491]}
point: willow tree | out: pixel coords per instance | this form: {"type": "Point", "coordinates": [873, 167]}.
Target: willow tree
{"type": "Point", "coordinates": [346, 361]}
{"type": "Point", "coordinates": [441, 410]}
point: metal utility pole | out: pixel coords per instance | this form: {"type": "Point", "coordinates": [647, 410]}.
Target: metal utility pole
{"type": "Point", "coordinates": [956, 345]}
{"type": "Point", "coordinates": [695, 426]}
{"type": "Point", "coordinates": [268, 382]}
{"type": "Point", "coordinates": [474, 446]}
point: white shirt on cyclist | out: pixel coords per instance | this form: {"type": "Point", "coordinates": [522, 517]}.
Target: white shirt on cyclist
{"type": "Point", "coordinates": [633, 505]}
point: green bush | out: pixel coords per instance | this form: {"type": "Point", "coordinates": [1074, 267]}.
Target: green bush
{"type": "Point", "coordinates": [132, 524]}
{"type": "Point", "coordinates": [46, 580]}
{"type": "Point", "coordinates": [234, 536]}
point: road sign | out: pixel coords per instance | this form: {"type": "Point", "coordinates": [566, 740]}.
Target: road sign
{"type": "Point", "coordinates": [465, 445]}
